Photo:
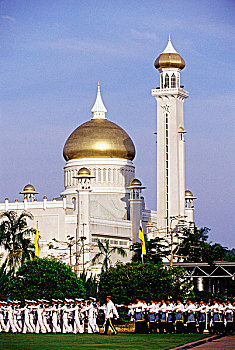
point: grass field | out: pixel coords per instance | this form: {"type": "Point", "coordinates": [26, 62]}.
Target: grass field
{"type": "Point", "coordinates": [96, 341]}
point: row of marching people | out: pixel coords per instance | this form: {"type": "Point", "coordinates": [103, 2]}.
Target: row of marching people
{"type": "Point", "coordinates": [57, 316]}
{"type": "Point", "coordinates": [171, 317]}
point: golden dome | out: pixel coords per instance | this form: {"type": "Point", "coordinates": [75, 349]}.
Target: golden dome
{"type": "Point", "coordinates": [84, 172]}
{"type": "Point", "coordinates": [149, 223]}
{"type": "Point", "coordinates": [181, 222]}
{"type": "Point", "coordinates": [169, 60]}
{"type": "Point", "coordinates": [29, 188]}
{"type": "Point", "coordinates": [188, 194]}
{"type": "Point", "coordinates": [192, 224]}
{"type": "Point", "coordinates": [135, 182]}
{"type": "Point", "coordinates": [181, 129]}
{"type": "Point", "coordinates": [99, 138]}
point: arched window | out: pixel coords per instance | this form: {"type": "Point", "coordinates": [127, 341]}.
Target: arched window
{"type": "Point", "coordinates": [173, 81]}
{"type": "Point", "coordinates": [74, 203]}
{"type": "Point", "coordinates": [161, 80]}
{"type": "Point", "coordinates": [166, 81]}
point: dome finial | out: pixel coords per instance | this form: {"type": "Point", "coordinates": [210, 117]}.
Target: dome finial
{"type": "Point", "coordinates": [169, 47]}
{"type": "Point", "coordinates": [99, 109]}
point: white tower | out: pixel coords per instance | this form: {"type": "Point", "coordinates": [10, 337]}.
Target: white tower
{"type": "Point", "coordinates": [135, 207]}
{"type": "Point", "coordinates": [83, 216]}
{"type": "Point", "coordinates": [170, 138]}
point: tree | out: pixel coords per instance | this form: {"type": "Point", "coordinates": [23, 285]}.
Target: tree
{"type": "Point", "coordinates": [90, 284]}
{"type": "Point", "coordinates": [184, 244]}
{"type": "Point", "coordinates": [144, 281]}
{"type": "Point", "coordinates": [154, 251]}
{"type": "Point", "coordinates": [4, 280]}
{"type": "Point", "coordinates": [45, 278]}
{"type": "Point", "coordinates": [195, 248]}
{"type": "Point", "coordinates": [105, 252]}
{"type": "Point", "coordinates": [15, 237]}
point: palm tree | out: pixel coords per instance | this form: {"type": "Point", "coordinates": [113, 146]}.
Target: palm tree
{"type": "Point", "coordinates": [15, 237]}
{"type": "Point", "coordinates": [105, 253]}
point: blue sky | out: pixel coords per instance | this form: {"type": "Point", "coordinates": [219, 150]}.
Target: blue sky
{"type": "Point", "coordinates": [52, 54]}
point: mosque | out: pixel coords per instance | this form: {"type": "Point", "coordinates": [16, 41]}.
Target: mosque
{"type": "Point", "coordinates": [102, 199]}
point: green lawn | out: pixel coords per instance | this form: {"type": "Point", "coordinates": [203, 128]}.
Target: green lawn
{"type": "Point", "coordinates": [91, 342]}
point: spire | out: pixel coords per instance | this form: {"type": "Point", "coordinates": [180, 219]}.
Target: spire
{"type": "Point", "coordinates": [99, 109]}
{"type": "Point", "coordinates": [169, 48]}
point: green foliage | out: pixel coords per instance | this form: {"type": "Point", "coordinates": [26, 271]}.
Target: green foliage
{"type": "Point", "coordinates": [45, 278]}
{"type": "Point", "coordinates": [15, 237]}
{"type": "Point", "coordinates": [154, 251]}
{"type": "Point", "coordinates": [4, 280]}
{"type": "Point", "coordinates": [147, 281]}
{"type": "Point", "coordinates": [105, 252]}
{"type": "Point", "coordinates": [90, 284]}
{"type": "Point", "coordinates": [195, 248]}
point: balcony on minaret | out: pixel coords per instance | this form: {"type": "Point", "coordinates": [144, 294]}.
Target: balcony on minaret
{"type": "Point", "coordinates": [169, 64]}
{"type": "Point", "coordinates": [189, 197]}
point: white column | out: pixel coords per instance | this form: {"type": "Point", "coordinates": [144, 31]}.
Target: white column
{"type": "Point", "coordinates": [6, 203]}
{"type": "Point", "coordinates": [135, 217]}
{"type": "Point", "coordinates": [25, 203]}
{"type": "Point", "coordinates": [170, 155]}
{"type": "Point", "coordinates": [181, 174]}
{"type": "Point", "coordinates": [44, 202]}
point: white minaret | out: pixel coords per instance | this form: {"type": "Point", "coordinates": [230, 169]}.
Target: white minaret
{"type": "Point", "coordinates": [136, 203]}
{"type": "Point", "coordinates": [83, 218]}
{"type": "Point", "coordinates": [170, 139]}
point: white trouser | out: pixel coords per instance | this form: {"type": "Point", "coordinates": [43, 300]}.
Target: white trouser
{"type": "Point", "coordinates": [10, 323]}
{"type": "Point", "coordinates": [44, 319]}
{"type": "Point", "coordinates": [27, 326]}
{"type": "Point", "coordinates": [18, 328]}
{"type": "Point", "coordinates": [20, 324]}
{"type": "Point", "coordinates": [96, 328]}
{"type": "Point", "coordinates": [2, 325]}
{"type": "Point", "coordinates": [40, 326]}
{"type": "Point", "coordinates": [31, 322]}
{"type": "Point", "coordinates": [77, 326]}
{"type": "Point", "coordinates": [55, 327]}
{"type": "Point", "coordinates": [91, 325]}
{"type": "Point", "coordinates": [66, 328]}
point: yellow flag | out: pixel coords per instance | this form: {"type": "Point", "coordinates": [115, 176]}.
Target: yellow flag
{"type": "Point", "coordinates": [36, 241]}
{"type": "Point", "coordinates": [141, 237]}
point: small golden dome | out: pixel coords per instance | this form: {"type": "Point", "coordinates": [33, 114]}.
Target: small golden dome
{"type": "Point", "coordinates": [192, 224]}
{"type": "Point", "coordinates": [188, 194]}
{"type": "Point", "coordinates": [29, 188]}
{"type": "Point", "coordinates": [181, 222]}
{"type": "Point", "coordinates": [169, 60]}
{"type": "Point", "coordinates": [135, 182]}
{"type": "Point", "coordinates": [99, 138]}
{"type": "Point", "coordinates": [149, 223]}
{"type": "Point", "coordinates": [44, 197]}
{"type": "Point", "coordinates": [84, 172]}
{"type": "Point", "coordinates": [181, 129]}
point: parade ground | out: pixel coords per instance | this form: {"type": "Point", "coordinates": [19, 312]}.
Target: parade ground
{"type": "Point", "coordinates": [96, 341]}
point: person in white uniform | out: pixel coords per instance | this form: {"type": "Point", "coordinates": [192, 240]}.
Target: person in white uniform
{"type": "Point", "coordinates": [40, 325]}
{"type": "Point", "coordinates": [10, 321]}
{"type": "Point", "coordinates": [110, 314]}
{"type": "Point", "coordinates": [2, 316]}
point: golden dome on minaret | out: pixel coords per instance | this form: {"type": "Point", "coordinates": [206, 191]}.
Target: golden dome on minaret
{"type": "Point", "coordinates": [84, 171]}
{"type": "Point", "coordinates": [99, 138]}
{"type": "Point", "coordinates": [29, 188]}
{"type": "Point", "coordinates": [169, 58]}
